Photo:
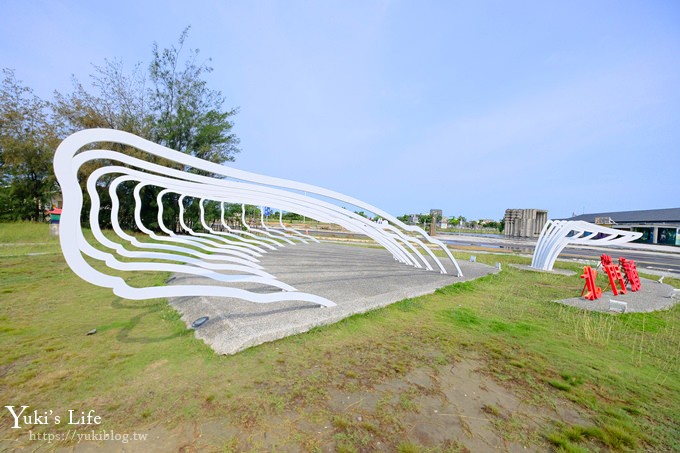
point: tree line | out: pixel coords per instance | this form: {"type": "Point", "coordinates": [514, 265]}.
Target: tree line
{"type": "Point", "coordinates": [453, 221]}
{"type": "Point", "coordinates": [167, 101]}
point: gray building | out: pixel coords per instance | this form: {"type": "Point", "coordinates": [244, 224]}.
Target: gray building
{"type": "Point", "coordinates": [658, 226]}
{"type": "Point", "coordinates": [524, 223]}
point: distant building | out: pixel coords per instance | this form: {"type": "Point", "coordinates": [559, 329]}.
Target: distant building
{"type": "Point", "coordinates": [524, 223]}
{"type": "Point", "coordinates": [658, 226]}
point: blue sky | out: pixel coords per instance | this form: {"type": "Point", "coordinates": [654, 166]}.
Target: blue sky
{"type": "Point", "coordinates": [467, 106]}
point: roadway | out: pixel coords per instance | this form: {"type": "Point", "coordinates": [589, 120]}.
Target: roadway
{"type": "Point", "coordinates": [655, 258]}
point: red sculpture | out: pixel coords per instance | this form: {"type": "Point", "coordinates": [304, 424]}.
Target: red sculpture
{"type": "Point", "coordinates": [614, 274]}
{"type": "Point", "coordinates": [631, 273]}
{"type": "Point", "coordinates": [590, 275]}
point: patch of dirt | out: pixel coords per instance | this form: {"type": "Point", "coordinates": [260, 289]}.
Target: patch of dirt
{"type": "Point", "coordinates": [460, 404]}
{"type": "Point", "coordinates": [340, 402]}
{"type": "Point", "coordinates": [155, 365]}
{"type": "Point", "coordinates": [455, 405]}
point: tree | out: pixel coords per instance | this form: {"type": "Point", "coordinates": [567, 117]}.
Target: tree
{"type": "Point", "coordinates": [490, 224]}
{"type": "Point", "coordinates": [462, 221]}
{"type": "Point", "coordinates": [188, 116]}
{"type": "Point", "coordinates": [424, 219]}
{"type": "Point", "coordinates": [27, 142]}
{"type": "Point", "coordinates": [119, 101]}
{"type": "Point", "coordinates": [253, 213]}
{"type": "Point", "coordinates": [292, 216]}
{"type": "Point", "coordinates": [171, 105]}
{"type": "Point", "coordinates": [405, 218]}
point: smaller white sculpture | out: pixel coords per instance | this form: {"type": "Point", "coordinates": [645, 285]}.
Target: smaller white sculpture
{"type": "Point", "coordinates": [557, 234]}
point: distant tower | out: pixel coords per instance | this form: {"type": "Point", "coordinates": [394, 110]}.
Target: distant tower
{"type": "Point", "coordinates": [524, 223]}
{"type": "Point", "coordinates": [436, 215]}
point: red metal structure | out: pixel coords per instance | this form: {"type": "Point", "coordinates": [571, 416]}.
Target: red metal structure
{"type": "Point", "coordinates": [631, 272]}
{"type": "Point", "coordinates": [605, 259]}
{"type": "Point", "coordinates": [590, 275]}
{"type": "Point", "coordinates": [614, 274]}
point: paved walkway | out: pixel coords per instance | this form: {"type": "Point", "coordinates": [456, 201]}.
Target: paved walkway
{"type": "Point", "coordinates": [357, 279]}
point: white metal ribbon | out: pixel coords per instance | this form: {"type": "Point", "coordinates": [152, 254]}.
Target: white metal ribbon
{"type": "Point", "coordinates": [557, 234]}
{"type": "Point", "coordinates": [209, 253]}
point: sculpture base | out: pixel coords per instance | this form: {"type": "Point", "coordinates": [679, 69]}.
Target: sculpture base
{"type": "Point", "coordinates": [357, 279]}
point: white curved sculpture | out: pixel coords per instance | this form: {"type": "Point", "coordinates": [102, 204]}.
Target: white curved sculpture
{"type": "Point", "coordinates": [557, 234]}
{"type": "Point", "coordinates": [229, 256]}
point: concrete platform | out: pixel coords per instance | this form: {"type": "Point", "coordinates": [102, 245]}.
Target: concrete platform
{"type": "Point", "coordinates": [652, 296]}
{"type": "Point", "coordinates": [357, 279]}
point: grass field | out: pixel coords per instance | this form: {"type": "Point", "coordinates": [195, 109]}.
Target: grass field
{"type": "Point", "coordinates": [143, 370]}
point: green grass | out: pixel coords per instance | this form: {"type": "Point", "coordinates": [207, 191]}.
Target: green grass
{"type": "Point", "coordinates": [143, 367]}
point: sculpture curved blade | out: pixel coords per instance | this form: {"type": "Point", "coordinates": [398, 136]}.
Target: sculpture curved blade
{"type": "Point", "coordinates": [225, 255]}
{"type": "Point", "coordinates": [557, 234]}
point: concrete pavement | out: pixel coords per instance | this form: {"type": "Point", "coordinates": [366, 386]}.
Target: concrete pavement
{"type": "Point", "coordinates": [357, 279]}
{"type": "Point", "coordinates": [652, 296]}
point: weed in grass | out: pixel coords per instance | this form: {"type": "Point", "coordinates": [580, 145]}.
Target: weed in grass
{"type": "Point", "coordinates": [618, 437]}
{"type": "Point", "coordinates": [370, 427]}
{"type": "Point", "coordinates": [463, 317]}
{"type": "Point", "coordinates": [612, 436]}
{"type": "Point", "coordinates": [512, 429]}
{"type": "Point", "coordinates": [453, 446]}
{"type": "Point", "coordinates": [498, 326]}
{"type": "Point", "coordinates": [409, 305]}
{"type": "Point", "coordinates": [491, 410]}
{"type": "Point", "coordinates": [344, 445]}
{"type": "Point", "coordinates": [406, 402]}
{"type": "Point", "coordinates": [231, 445]}
{"type": "Point", "coordinates": [457, 288]}
{"type": "Point", "coordinates": [572, 380]}
{"type": "Point", "coordinates": [595, 328]}
{"type": "Point", "coordinates": [341, 422]}
{"type": "Point", "coordinates": [563, 443]}
{"type": "Point", "coordinates": [632, 410]}
{"type": "Point", "coordinates": [352, 436]}
{"type": "Point", "coordinates": [410, 447]}
{"type": "Point", "coordinates": [387, 415]}
{"type": "Point", "coordinates": [350, 374]}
